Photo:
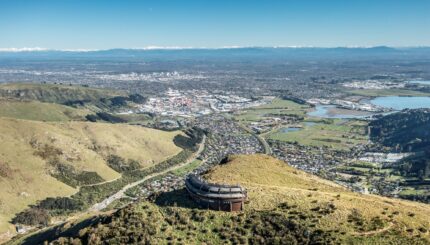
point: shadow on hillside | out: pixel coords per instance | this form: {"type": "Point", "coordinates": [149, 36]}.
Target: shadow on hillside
{"type": "Point", "coordinates": [59, 231]}
{"type": "Point", "coordinates": [176, 198]}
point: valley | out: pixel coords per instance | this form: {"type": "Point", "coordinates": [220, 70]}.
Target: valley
{"type": "Point", "coordinates": [313, 209]}
{"type": "Point", "coordinates": [214, 122]}
{"type": "Point", "coordinates": [94, 160]}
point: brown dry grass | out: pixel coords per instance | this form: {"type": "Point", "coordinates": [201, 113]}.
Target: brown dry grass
{"type": "Point", "coordinates": [270, 182]}
{"type": "Point", "coordinates": [84, 145]}
{"type": "Point", "coordinates": [34, 110]}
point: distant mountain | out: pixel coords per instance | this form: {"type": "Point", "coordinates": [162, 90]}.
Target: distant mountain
{"type": "Point", "coordinates": [380, 52]}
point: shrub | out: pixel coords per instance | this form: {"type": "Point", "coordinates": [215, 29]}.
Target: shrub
{"type": "Point", "coordinates": [376, 223]}
{"type": "Point", "coordinates": [5, 170]}
{"type": "Point", "coordinates": [65, 203]}
{"type": "Point", "coordinates": [119, 101]}
{"type": "Point", "coordinates": [137, 98]}
{"type": "Point", "coordinates": [119, 164]}
{"type": "Point", "coordinates": [69, 175]}
{"type": "Point", "coordinates": [110, 118]}
{"type": "Point", "coordinates": [92, 117]}
{"type": "Point", "coordinates": [32, 216]}
{"type": "Point", "coordinates": [48, 152]}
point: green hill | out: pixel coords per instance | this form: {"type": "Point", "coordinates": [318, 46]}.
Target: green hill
{"type": "Point", "coordinates": [285, 206]}
{"type": "Point", "coordinates": [54, 93]}
{"type": "Point", "coordinates": [39, 111]}
{"type": "Point", "coordinates": [408, 130]}
{"type": "Point", "coordinates": [50, 159]}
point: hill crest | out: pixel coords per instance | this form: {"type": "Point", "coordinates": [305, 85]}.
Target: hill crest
{"type": "Point", "coordinates": [284, 204]}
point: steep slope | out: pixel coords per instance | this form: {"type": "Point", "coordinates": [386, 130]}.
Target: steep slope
{"type": "Point", "coordinates": [38, 111]}
{"type": "Point", "coordinates": [32, 153]}
{"type": "Point", "coordinates": [285, 206]}
{"type": "Point", "coordinates": [408, 130]}
{"type": "Point", "coordinates": [270, 182]}
{"type": "Point", "coordinates": [54, 93]}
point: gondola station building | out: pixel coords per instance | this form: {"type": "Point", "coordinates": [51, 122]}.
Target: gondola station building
{"type": "Point", "coordinates": [216, 196]}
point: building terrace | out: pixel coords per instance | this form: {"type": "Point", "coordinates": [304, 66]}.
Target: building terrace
{"type": "Point", "coordinates": [216, 196]}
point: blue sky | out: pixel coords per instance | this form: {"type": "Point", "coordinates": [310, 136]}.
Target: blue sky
{"type": "Point", "coordinates": [96, 24]}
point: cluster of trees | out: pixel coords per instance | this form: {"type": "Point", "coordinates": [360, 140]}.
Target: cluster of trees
{"type": "Point", "coordinates": [109, 103]}
{"type": "Point", "coordinates": [32, 217]}
{"type": "Point", "coordinates": [408, 130]}
{"type": "Point", "coordinates": [67, 174]}
{"type": "Point", "coordinates": [76, 103]}
{"type": "Point", "coordinates": [41, 213]}
{"type": "Point", "coordinates": [104, 116]}
{"type": "Point", "coordinates": [119, 101]}
{"type": "Point", "coordinates": [149, 224]}
{"type": "Point", "coordinates": [294, 99]}
{"type": "Point", "coordinates": [59, 203]}
{"type": "Point", "coordinates": [64, 172]}
{"type": "Point", "coordinates": [193, 137]}
{"type": "Point", "coordinates": [417, 165]}
{"type": "Point", "coordinates": [119, 164]}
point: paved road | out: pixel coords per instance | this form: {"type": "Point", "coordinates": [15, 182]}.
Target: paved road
{"type": "Point", "coordinates": [121, 193]}
{"type": "Point", "coordinates": [266, 146]}
{"type": "Point", "coordinates": [262, 140]}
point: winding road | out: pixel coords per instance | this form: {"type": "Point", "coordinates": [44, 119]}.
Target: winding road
{"type": "Point", "coordinates": [121, 193]}
{"type": "Point", "coordinates": [262, 140]}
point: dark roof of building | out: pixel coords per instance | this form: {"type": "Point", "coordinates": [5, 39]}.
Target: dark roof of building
{"type": "Point", "coordinates": [199, 187]}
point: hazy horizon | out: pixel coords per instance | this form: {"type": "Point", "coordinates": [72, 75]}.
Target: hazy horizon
{"type": "Point", "coordinates": [71, 25]}
{"type": "Point", "coordinates": [148, 48]}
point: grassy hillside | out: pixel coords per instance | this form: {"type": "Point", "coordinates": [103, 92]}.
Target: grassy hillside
{"type": "Point", "coordinates": [270, 182]}
{"type": "Point", "coordinates": [38, 111]}
{"type": "Point", "coordinates": [285, 205]}
{"type": "Point", "coordinates": [32, 152]}
{"type": "Point", "coordinates": [53, 93]}
{"type": "Point", "coordinates": [408, 130]}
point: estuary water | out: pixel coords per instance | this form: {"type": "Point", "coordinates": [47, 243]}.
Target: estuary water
{"type": "Point", "coordinates": [396, 103]}
{"type": "Point", "coordinates": [420, 82]}
{"type": "Point", "coordinates": [329, 111]}
{"type": "Point", "coordinates": [293, 129]}
{"type": "Point", "coordinates": [400, 102]}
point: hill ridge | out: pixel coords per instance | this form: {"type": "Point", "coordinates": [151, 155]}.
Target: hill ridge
{"type": "Point", "coordinates": [299, 207]}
